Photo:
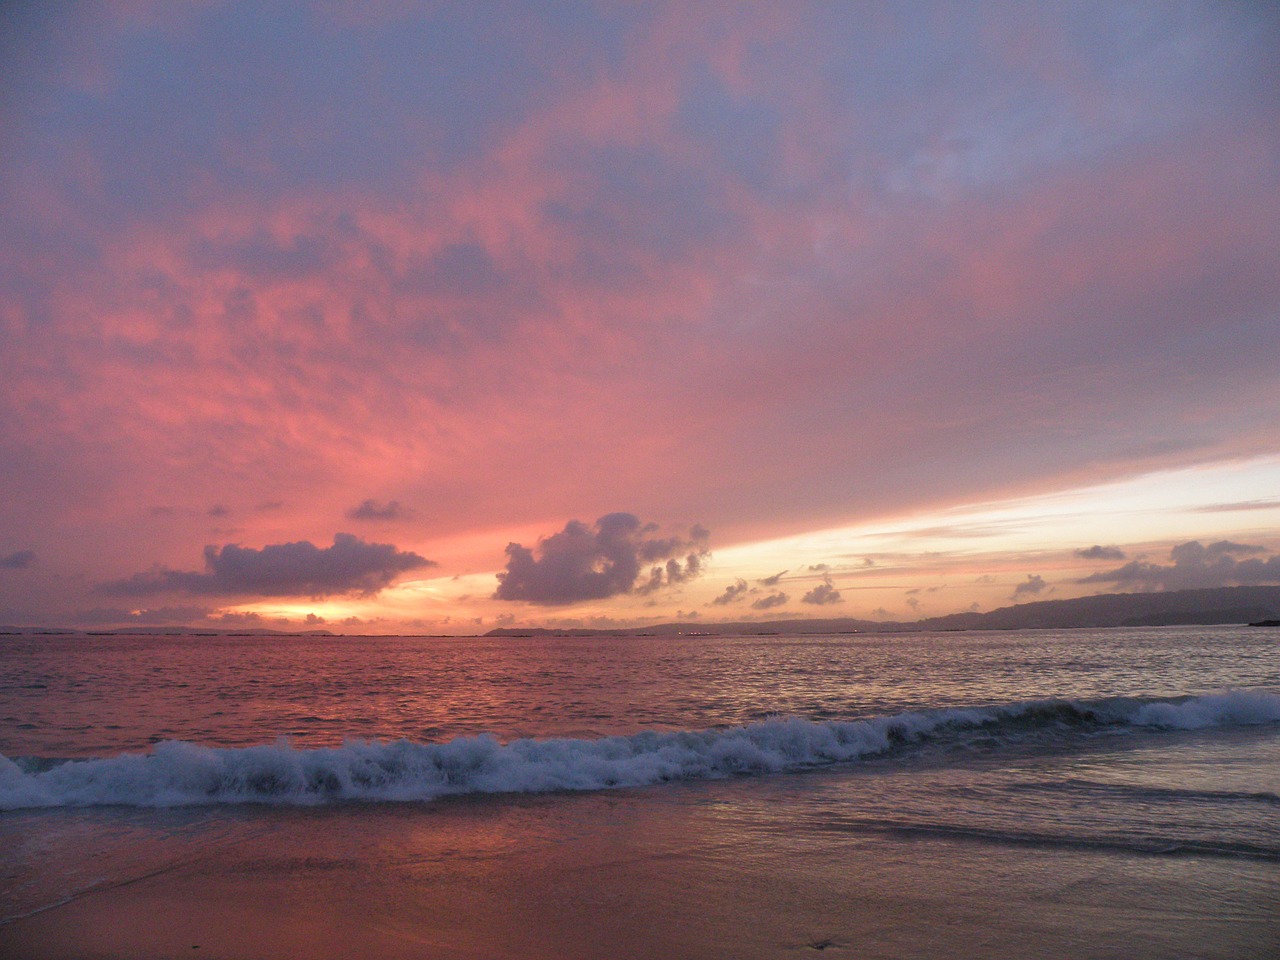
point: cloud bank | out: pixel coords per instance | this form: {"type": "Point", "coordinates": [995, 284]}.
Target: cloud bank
{"type": "Point", "coordinates": [645, 254]}
{"type": "Point", "coordinates": [1196, 565]}
{"type": "Point", "coordinates": [350, 565]}
{"type": "Point", "coordinates": [603, 560]}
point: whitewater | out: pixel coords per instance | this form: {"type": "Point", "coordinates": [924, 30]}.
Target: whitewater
{"type": "Point", "coordinates": [177, 773]}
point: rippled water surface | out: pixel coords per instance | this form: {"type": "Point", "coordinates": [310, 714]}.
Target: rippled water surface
{"type": "Point", "coordinates": [1108, 793]}
{"type": "Point", "coordinates": [96, 696]}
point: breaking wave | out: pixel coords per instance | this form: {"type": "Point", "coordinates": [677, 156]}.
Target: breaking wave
{"type": "Point", "coordinates": [176, 773]}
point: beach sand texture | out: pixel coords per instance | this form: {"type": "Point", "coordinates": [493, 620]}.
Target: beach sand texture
{"type": "Point", "coordinates": [784, 866]}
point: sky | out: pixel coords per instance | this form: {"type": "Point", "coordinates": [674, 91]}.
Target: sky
{"type": "Point", "coordinates": [414, 317]}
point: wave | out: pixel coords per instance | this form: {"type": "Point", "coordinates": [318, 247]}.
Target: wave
{"type": "Point", "coordinates": [177, 773]}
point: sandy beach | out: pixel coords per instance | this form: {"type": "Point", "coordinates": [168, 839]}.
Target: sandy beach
{"type": "Point", "coordinates": [745, 868]}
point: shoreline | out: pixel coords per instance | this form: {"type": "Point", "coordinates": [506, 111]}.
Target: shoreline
{"type": "Point", "coordinates": [748, 868]}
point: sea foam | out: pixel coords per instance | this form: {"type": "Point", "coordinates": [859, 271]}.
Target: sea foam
{"type": "Point", "coordinates": [176, 773]}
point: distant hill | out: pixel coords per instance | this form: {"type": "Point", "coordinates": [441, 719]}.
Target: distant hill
{"type": "Point", "coordinates": [1217, 605]}
{"type": "Point", "coordinates": [1171, 608]}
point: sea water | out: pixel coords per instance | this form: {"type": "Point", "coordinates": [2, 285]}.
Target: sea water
{"type": "Point", "coordinates": [1150, 752]}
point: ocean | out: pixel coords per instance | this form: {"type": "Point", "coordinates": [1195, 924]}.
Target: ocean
{"type": "Point", "coordinates": [1100, 793]}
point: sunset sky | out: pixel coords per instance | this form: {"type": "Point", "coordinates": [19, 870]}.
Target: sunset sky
{"type": "Point", "coordinates": [439, 317]}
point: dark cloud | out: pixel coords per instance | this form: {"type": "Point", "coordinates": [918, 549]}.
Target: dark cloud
{"type": "Point", "coordinates": [584, 562]}
{"type": "Point", "coordinates": [373, 510]}
{"type": "Point", "coordinates": [671, 573]}
{"type": "Point", "coordinates": [218, 510]}
{"type": "Point", "coordinates": [732, 593]}
{"type": "Point", "coordinates": [350, 565]}
{"type": "Point", "coordinates": [1098, 552]}
{"type": "Point", "coordinates": [1032, 586]}
{"type": "Point", "coordinates": [772, 581]}
{"type": "Point", "coordinates": [269, 505]}
{"type": "Point", "coordinates": [772, 600]}
{"type": "Point", "coordinates": [18, 560]}
{"type": "Point", "coordinates": [1196, 565]}
{"type": "Point", "coordinates": [823, 593]}
{"type": "Point", "coordinates": [819, 567]}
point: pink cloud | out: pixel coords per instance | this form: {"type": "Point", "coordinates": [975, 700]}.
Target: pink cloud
{"type": "Point", "coordinates": [758, 271]}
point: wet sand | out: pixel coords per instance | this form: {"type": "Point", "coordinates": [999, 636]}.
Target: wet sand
{"type": "Point", "coordinates": [748, 868]}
